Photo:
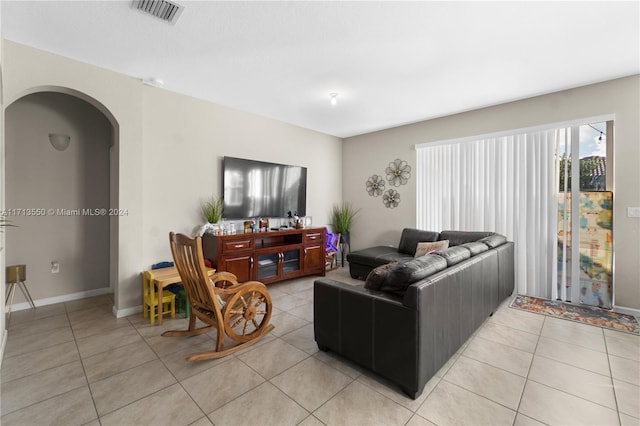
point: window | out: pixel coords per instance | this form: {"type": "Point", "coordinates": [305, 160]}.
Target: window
{"type": "Point", "coordinates": [510, 183]}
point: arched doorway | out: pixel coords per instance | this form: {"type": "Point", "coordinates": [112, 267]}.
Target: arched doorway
{"type": "Point", "coordinates": [64, 195]}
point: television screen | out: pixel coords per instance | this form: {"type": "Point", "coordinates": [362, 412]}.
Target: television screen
{"type": "Point", "coordinates": [257, 188]}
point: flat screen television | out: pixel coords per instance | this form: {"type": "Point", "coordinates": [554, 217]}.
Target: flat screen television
{"type": "Point", "coordinates": [260, 189]}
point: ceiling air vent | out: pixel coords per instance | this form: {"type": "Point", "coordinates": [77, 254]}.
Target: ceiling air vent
{"type": "Point", "coordinates": [165, 10]}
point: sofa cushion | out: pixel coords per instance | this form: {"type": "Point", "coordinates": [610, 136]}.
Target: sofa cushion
{"type": "Point", "coordinates": [411, 237]}
{"type": "Point", "coordinates": [493, 240]}
{"type": "Point", "coordinates": [378, 276]}
{"type": "Point", "coordinates": [454, 255]}
{"type": "Point", "coordinates": [475, 247]}
{"type": "Point", "coordinates": [374, 256]}
{"type": "Point", "coordinates": [405, 273]}
{"type": "Point", "coordinates": [460, 237]}
{"type": "Point", "coordinates": [427, 248]}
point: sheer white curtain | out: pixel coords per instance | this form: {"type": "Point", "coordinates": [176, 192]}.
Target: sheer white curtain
{"type": "Point", "coordinates": [504, 184]}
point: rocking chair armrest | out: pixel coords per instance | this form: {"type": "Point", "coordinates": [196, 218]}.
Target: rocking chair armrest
{"type": "Point", "coordinates": [238, 287]}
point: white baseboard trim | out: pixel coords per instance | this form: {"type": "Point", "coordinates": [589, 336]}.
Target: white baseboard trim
{"type": "Point", "coordinates": [60, 299]}
{"type": "Point", "coordinates": [4, 345]}
{"type": "Point", "coordinates": [119, 313]}
{"type": "Point", "coordinates": [629, 311]}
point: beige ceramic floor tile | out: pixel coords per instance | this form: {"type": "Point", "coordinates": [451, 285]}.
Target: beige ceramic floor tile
{"type": "Point", "coordinates": [203, 421]}
{"type": "Point", "coordinates": [499, 333]}
{"type": "Point", "coordinates": [493, 383]}
{"type": "Point", "coordinates": [38, 314]}
{"type": "Point", "coordinates": [393, 391]}
{"type": "Point", "coordinates": [305, 312]}
{"type": "Point", "coordinates": [358, 404]}
{"type": "Point", "coordinates": [288, 301]}
{"type": "Point", "coordinates": [628, 397]}
{"type": "Point", "coordinates": [575, 333]}
{"type": "Point", "coordinates": [449, 404]}
{"type": "Point", "coordinates": [416, 420]}
{"type": "Point", "coordinates": [628, 420]}
{"type": "Point", "coordinates": [285, 323]}
{"type": "Point", "coordinates": [170, 406]}
{"type": "Point", "coordinates": [273, 358]}
{"type": "Point", "coordinates": [177, 363]}
{"type": "Point", "coordinates": [555, 407]}
{"type": "Point", "coordinates": [623, 345]}
{"type": "Point", "coordinates": [264, 405]}
{"type": "Point", "coordinates": [129, 386]}
{"type": "Point", "coordinates": [99, 326]}
{"type": "Point", "coordinates": [576, 381]}
{"type": "Point", "coordinates": [340, 363]}
{"type": "Point", "coordinates": [92, 345]}
{"type": "Point", "coordinates": [102, 302]}
{"type": "Point", "coordinates": [23, 392]}
{"type": "Point", "coordinates": [22, 329]}
{"type": "Point", "coordinates": [311, 383]}
{"type": "Point", "coordinates": [106, 364]}
{"type": "Point", "coordinates": [303, 339]}
{"type": "Point", "coordinates": [220, 384]}
{"type": "Point", "coordinates": [163, 345]}
{"type": "Point", "coordinates": [577, 356]}
{"type": "Point", "coordinates": [37, 361]}
{"type": "Point", "coordinates": [520, 320]}
{"type": "Point", "coordinates": [625, 369]}
{"type": "Point", "coordinates": [499, 355]}
{"type": "Point", "coordinates": [72, 408]}
{"type": "Point", "coordinates": [19, 345]}
{"type": "Point", "coordinates": [311, 421]}
{"type": "Point", "coordinates": [522, 420]}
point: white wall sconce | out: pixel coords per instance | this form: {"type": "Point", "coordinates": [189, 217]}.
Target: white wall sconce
{"type": "Point", "coordinates": [59, 142]}
{"type": "Point", "coordinates": [334, 98]}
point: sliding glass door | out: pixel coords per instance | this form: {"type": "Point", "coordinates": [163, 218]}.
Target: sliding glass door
{"type": "Point", "coordinates": [585, 224]}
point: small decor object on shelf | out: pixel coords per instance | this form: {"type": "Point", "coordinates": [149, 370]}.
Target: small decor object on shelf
{"type": "Point", "coordinates": [398, 172]}
{"type": "Point", "coordinates": [391, 199]}
{"type": "Point", "coordinates": [375, 185]}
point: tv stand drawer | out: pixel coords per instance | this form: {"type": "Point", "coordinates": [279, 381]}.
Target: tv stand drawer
{"type": "Point", "coordinates": [237, 245]}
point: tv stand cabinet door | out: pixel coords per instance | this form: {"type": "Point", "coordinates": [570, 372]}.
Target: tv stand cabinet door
{"type": "Point", "coordinates": [240, 265]}
{"type": "Point", "coordinates": [314, 259]}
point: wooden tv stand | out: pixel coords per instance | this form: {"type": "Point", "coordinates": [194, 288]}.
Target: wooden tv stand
{"type": "Point", "coordinates": [268, 256]}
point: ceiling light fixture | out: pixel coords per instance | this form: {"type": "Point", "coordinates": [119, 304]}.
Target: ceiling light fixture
{"type": "Point", "coordinates": [334, 98]}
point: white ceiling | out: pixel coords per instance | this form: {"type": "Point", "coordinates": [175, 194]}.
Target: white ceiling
{"type": "Point", "coordinates": [392, 63]}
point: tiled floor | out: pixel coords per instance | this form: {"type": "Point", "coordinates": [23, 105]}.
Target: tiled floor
{"type": "Point", "coordinates": [74, 363]}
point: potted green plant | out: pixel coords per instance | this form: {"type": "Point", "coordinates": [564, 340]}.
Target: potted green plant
{"type": "Point", "coordinates": [212, 210]}
{"type": "Point", "coordinates": [342, 218]}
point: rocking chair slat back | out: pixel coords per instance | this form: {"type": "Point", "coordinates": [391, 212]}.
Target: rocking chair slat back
{"type": "Point", "coordinates": [187, 253]}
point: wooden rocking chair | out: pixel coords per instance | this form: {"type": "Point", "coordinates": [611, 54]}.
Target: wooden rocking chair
{"type": "Point", "coordinates": [240, 311]}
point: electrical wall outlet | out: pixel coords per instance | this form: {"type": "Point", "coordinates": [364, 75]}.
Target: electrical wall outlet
{"type": "Point", "coordinates": [55, 267]}
{"type": "Point", "coordinates": [633, 211]}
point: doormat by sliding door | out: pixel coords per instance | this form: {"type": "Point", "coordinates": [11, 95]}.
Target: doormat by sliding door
{"type": "Point", "coordinates": [584, 314]}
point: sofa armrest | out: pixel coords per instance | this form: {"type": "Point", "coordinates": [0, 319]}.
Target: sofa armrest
{"type": "Point", "coordinates": [372, 328]}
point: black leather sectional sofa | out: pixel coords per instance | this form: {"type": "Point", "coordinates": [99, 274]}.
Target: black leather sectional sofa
{"type": "Point", "coordinates": [425, 309]}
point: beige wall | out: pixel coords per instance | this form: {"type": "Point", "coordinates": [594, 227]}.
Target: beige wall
{"type": "Point", "coordinates": [39, 176]}
{"type": "Point", "coordinates": [184, 142]}
{"type": "Point", "coordinates": [619, 97]}
{"type": "Point", "coordinates": [167, 150]}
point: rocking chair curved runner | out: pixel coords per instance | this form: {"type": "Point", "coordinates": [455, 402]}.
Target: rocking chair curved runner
{"type": "Point", "coordinates": [239, 311]}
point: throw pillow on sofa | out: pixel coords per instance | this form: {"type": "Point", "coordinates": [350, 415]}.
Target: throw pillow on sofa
{"type": "Point", "coordinates": [428, 248]}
